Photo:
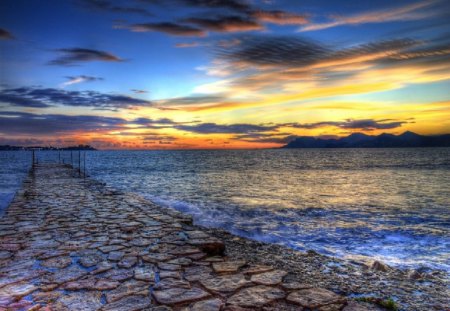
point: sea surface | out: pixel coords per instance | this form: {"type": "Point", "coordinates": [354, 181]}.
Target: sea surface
{"type": "Point", "coordinates": [391, 205]}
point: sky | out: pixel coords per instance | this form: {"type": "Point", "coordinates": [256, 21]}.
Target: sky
{"type": "Point", "coordinates": [200, 74]}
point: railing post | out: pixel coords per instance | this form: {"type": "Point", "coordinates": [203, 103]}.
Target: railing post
{"type": "Point", "coordinates": [79, 162]}
{"type": "Point", "coordinates": [32, 159]}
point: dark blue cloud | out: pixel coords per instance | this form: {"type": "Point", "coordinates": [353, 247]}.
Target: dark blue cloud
{"type": "Point", "coordinates": [71, 56]}
{"type": "Point", "coordinates": [46, 97]}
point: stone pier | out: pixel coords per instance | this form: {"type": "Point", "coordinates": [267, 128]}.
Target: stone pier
{"type": "Point", "coordinates": [69, 243]}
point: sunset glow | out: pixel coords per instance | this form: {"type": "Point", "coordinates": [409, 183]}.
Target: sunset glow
{"type": "Point", "coordinates": [220, 74]}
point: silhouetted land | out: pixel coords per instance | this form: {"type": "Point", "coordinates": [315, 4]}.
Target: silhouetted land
{"type": "Point", "coordinates": [360, 140]}
{"type": "Point", "coordinates": [79, 147]}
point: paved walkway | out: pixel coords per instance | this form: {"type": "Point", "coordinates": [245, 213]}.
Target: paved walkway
{"type": "Point", "coordinates": [69, 243]}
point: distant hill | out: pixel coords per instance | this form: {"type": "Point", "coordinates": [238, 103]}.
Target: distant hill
{"type": "Point", "coordinates": [360, 140]}
{"type": "Point", "coordinates": [79, 147]}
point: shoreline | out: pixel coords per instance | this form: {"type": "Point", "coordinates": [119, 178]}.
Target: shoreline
{"type": "Point", "coordinates": [306, 270]}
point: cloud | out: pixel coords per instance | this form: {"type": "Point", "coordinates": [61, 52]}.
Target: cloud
{"type": "Point", "coordinates": [408, 12]}
{"type": "Point", "coordinates": [274, 50]}
{"type": "Point", "coordinates": [301, 52]}
{"type": "Point", "coordinates": [187, 45]}
{"type": "Point", "coordinates": [79, 79]}
{"type": "Point", "coordinates": [225, 23]}
{"type": "Point", "coordinates": [46, 97]}
{"type": "Point", "coordinates": [169, 28]}
{"type": "Point", "coordinates": [280, 17]}
{"type": "Point", "coordinates": [23, 123]}
{"type": "Point", "coordinates": [235, 5]}
{"type": "Point", "coordinates": [213, 128]}
{"type": "Point", "coordinates": [105, 5]}
{"type": "Point", "coordinates": [5, 35]}
{"type": "Point", "coordinates": [136, 91]}
{"type": "Point", "coordinates": [72, 56]}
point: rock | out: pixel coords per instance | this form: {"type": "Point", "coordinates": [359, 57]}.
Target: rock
{"type": "Point", "coordinates": [145, 273]}
{"type": "Point", "coordinates": [414, 275]}
{"type": "Point", "coordinates": [357, 306]}
{"type": "Point", "coordinates": [79, 301]}
{"type": "Point", "coordinates": [110, 248]}
{"type": "Point", "coordinates": [227, 283]}
{"type": "Point", "coordinates": [90, 260]}
{"type": "Point", "coordinates": [132, 303]}
{"type": "Point", "coordinates": [17, 290]}
{"type": "Point", "coordinates": [228, 266]}
{"type": "Point", "coordinates": [169, 274]}
{"type": "Point", "coordinates": [157, 257]}
{"type": "Point", "coordinates": [172, 283]}
{"type": "Point", "coordinates": [128, 288]}
{"type": "Point", "coordinates": [314, 297]}
{"type": "Point", "coordinates": [5, 255]}
{"type": "Point", "coordinates": [102, 267]}
{"type": "Point", "coordinates": [57, 262]}
{"type": "Point", "coordinates": [257, 296]}
{"type": "Point", "coordinates": [197, 273]}
{"type": "Point", "coordinates": [127, 262]}
{"type": "Point", "coordinates": [115, 255]}
{"type": "Point", "coordinates": [119, 274]}
{"type": "Point", "coordinates": [65, 275]}
{"type": "Point", "coordinates": [206, 305]}
{"type": "Point", "coordinates": [269, 278]}
{"type": "Point", "coordinates": [210, 246]}
{"type": "Point", "coordinates": [379, 266]}
{"type": "Point", "coordinates": [167, 266]}
{"type": "Point", "coordinates": [179, 295]}
{"type": "Point", "coordinates": [257, 269]}
{"type": "Point", "coordinates": [295, 285]}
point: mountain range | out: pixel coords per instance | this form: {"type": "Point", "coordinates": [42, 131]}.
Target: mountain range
{"type": "Point", "coordinates": [359, 140]}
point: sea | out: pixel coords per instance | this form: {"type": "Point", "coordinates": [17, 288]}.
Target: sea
{"type": "Point", "coordinates": [391, 205]}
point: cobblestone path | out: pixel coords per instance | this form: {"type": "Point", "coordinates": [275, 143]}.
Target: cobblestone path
{"type": "Point", "coordinates": [69, 243]}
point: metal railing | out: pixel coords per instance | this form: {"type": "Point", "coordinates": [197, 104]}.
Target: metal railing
{"type": "Point", "coordinates": [76, 159]}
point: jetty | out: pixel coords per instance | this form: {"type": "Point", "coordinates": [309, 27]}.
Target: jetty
{"type": "Point", "coordinates": [71, 243]}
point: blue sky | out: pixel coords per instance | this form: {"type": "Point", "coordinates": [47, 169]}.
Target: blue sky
{"type": "Point", "coordinates": [222, 63]}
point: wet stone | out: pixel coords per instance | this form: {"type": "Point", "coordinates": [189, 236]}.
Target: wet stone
{"type": "Point", "coordinates": [169, 274]}
{"type": "Point", "coordinates": [66, 275]}
{"type": "Point", "coordinates": [295, 285]}
{"type": "Point", "coordinates": [179, 295]}
{"type": "Point", "coordinates": [227, 283]}
{"type": "Point", "coordinates": [17, 290]}
{"type": "Point", "coordinates": [257, 269]}
{"type": "Point", "coordinates": [119, 274]}
{"type": "Point", "coordinates": [157, 257]}
{"type": "Point", "coordinates": [131, 303]}
{"type": "Point", "coordinates": [78, 301]}
{"type": "Point", "coordinates": [314, 297]}
{"type": "Point", "coordinates": [228, 266]}
{"type": "Point", "coordinates": [90, 260]}
{"type": "Point", "coordinates": [172, 283]}
{"type": "Point", "coordinates": [257, 296]}
{"type": "Point", "coordinates": [115, 255]}
{"type": "Point", "coordinates": [57, 262]}
{"type": "Point", "coordinates": [206, 305]}
{"type": "Point", "coordinates": [102, 267]}
{"type": "Point", "coordinates": [166, 266]}
{"type": "Point", "coordinates": [110, 248]}
{"type": "Point", "coordinates": [269, 278]}
{"type": "Point", "coordinates": [127, 262]}
{"type": "Point", "coordinates": [197, 273]}
{"type": "Point", "coordinates": [145, 273]}
{"type": "Point", "coordinates": [129, 288]}
{"type": "Point", "coordinates": [5, 255]}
